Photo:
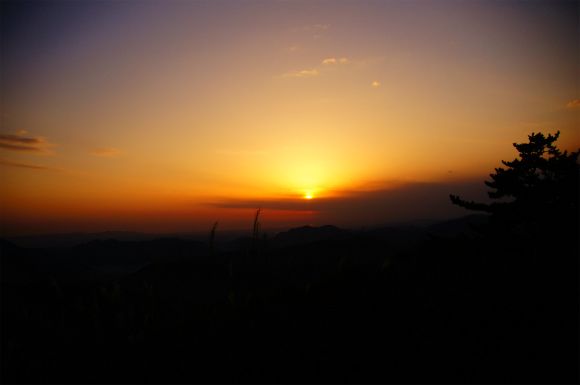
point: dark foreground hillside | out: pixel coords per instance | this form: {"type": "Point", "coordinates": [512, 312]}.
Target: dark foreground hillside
{"type": "Point", "coordinates": [337, 311]}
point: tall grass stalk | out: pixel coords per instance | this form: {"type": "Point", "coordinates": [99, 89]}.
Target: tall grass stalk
{"type": "Point", "coordinates": [211, 236]}
{"type": "Point", "coordinates": [256, 229]}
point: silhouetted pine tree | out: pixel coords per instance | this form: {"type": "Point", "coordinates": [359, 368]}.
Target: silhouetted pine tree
{"type": "Point", "coordinates": [544, 192]}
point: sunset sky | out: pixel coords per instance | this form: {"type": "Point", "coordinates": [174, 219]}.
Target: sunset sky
{"type": "Point", "coordinates": [165, 116]}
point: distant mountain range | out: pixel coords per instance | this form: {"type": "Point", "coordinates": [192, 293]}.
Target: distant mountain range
{"type": "Point", "coordinates": [394, 235]}
{"type": "Point", "coordinates": [74, 239]}
{"type": "Point", "coordinates": [231, 238]}
{"type": "Point", "coordinates": [109, 255]}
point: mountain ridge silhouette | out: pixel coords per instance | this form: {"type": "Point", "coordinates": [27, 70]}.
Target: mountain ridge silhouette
{"type": "Point", "coordinates": [67, 240]}
{"type": "Point", "coordinates": [100, 259]}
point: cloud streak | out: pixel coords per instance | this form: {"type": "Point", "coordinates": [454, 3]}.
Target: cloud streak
{"type": "Point", "coordinates": [301, 74]}
{"type": "Point", "coordinates": [333, 60]}
{"type": "Point", "coordinates": [13, 163]}
{"type": "Point", "coordinates": [399, 202]}
{"type": "Point", "coordinates": [574, 104]}
{"type": "Point", "coordinates": [324, 67]}
{"type": "Point", "coordinates": [16, 142]}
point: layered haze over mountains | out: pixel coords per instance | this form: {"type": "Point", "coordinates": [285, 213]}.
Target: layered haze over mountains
{"type": "Point", "coordinates": [111, 255]}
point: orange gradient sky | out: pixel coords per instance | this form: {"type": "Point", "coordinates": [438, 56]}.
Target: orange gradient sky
{"type": "Point", "coordinates": [168, 116]}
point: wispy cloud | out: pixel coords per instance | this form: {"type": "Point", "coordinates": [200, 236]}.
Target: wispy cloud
{"type": "Point", "coordinates": [325, 66]}
{"type": "Point", "coordinates": [13, 163]}
{"type": "Point", "coordinates": [16, 142]}
{"type": "Point", "coordinates": [106, 152]}
{"type": "Point", "coordinates": [574, 104]}
{"type": "Point", "coordinates": [23, 148]}
{"type": "Point", "coordinates": [342, 60]}
{"type": "Point", "coordinates": [301, 74]}
{"type": "Point", "coordinates": [321, 26]}
{"type": "Point", "coordinates": [309, 33]}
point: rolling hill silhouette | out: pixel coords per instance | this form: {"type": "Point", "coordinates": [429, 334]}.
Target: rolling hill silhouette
{"type": "Point", "coordinates": [106, 259]}
{"type": "Point", "coordinates": [329, 305]}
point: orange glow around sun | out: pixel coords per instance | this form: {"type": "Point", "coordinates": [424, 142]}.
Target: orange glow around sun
{"type": "Point", "coordinates": [308, 194]}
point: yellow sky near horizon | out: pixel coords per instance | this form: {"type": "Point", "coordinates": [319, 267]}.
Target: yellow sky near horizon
{"type": "Point", "coordinates": [159, 116]}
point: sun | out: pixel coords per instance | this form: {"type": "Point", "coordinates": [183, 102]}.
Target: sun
{"type": "Point", "coordinates": [308, 196]}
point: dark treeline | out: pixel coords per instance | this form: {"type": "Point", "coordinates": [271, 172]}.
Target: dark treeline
{"type": "Point", "coordinates": [501, 306]}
